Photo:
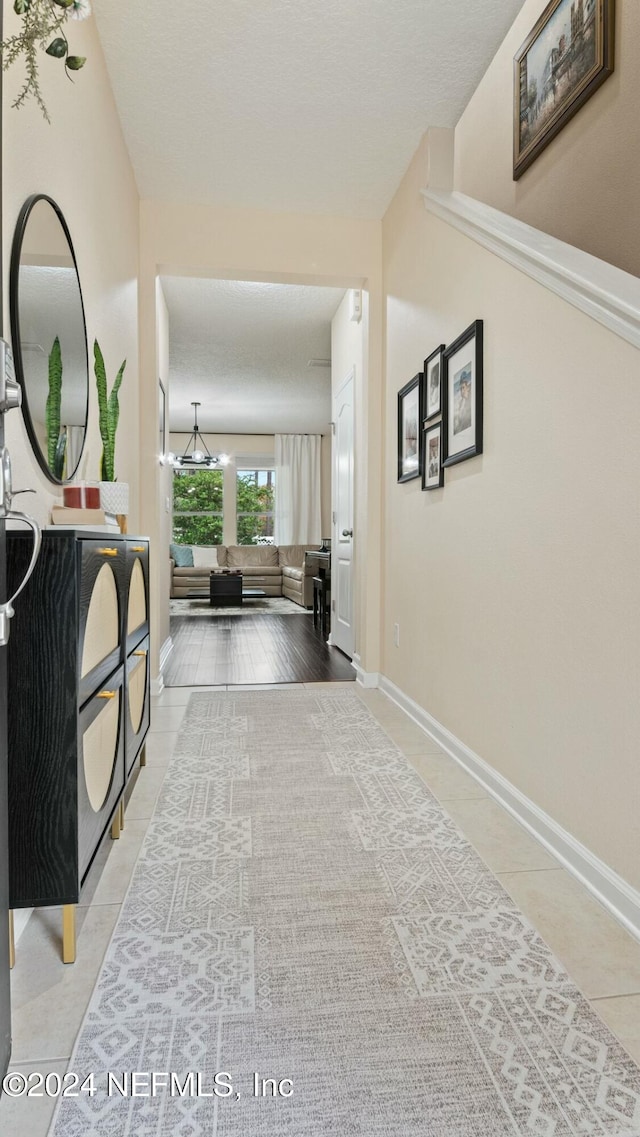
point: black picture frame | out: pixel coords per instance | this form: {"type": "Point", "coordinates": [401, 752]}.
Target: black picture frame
{"type": "Point", "coordinates": [409, 427]}
{"type": "Point", "coordinates": [58, 297]}
{"type": "Point", "coordinates": [162, 417]}
{"type": "Point", "coordinates": [462, 396]}
{"type": "Point", "coordinates": [432, 382]}
{"type": "Point", "coordinates": [432, 480]}
{"type": "Point", "coordinates": [551, 83]}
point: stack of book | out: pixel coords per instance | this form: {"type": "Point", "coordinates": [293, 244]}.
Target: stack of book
{"type": "Point", "coordinates": [81, 506]}
{"type": "Point", "coordinates": [76, 518]}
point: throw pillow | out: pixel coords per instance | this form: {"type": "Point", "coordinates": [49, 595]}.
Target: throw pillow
{"type": "Point", "coordinates": [205, 556]}
{"type": "Point", "coordinates": [182, 555]}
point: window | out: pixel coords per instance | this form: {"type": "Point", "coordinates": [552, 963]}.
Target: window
{"type": "Point", "coordinates": [197, 507]}
{"type": "Point", "coordinates": [256, 490]}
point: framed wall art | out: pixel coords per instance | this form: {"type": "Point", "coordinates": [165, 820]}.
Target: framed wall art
{"type": "Point", "coordinates": [462, 397]}
{"type": "Point", "coordinates": [563, 60]}
{"type": "Point", "coordinates": [432, 471]}
{"type": "Point", "coordinates": [432, 394]}
{"type": "Point", "coordinates": [409, 426]}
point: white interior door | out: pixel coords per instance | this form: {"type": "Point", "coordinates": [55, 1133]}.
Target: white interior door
{"type": "Point", "coordinates": [342, 607]}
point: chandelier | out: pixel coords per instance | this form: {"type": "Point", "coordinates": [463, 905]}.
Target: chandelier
{"type": "Point", "coordinates": [200, 457]}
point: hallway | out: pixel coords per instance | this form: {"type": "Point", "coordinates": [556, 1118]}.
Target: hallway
{"type": "Point", "coordinates": [598, 955]}
{"type": "Point", "coordinates": [476, 275]}
{"type": "Point", "coordinates": [214, 650]}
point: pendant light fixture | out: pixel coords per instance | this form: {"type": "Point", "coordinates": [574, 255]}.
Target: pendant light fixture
{"type": "Point", "coordinates": [200, 457]}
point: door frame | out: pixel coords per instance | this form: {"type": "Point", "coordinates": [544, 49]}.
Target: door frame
{"type": "Point", "coordinates": [350, 377]}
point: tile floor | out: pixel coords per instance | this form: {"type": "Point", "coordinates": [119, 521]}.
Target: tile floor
{"type": "Point", "coordinates": [49, 998]}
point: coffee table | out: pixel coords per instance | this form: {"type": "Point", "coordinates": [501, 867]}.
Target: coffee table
{"type": "Point", "coordinates": [226, 591]}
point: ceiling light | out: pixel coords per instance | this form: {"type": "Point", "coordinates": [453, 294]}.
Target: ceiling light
{"type": "Point", "coordinates": [200, 457]}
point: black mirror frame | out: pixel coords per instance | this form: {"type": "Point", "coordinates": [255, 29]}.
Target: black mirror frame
{"type": "Point", "coordinates": [14, 273]}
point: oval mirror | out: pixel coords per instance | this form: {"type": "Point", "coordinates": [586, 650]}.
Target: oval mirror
{"type": "Point", "coordinates": [49, 337]}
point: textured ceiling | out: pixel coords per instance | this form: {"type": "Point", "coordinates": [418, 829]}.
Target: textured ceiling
{"type": "Point", "coordinates": [303, 105]}
{"type": "Point", "coordinates": [242, 350]}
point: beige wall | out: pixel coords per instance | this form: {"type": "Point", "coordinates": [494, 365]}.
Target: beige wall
{"type": "Point", "coordinates": [80, 160]}
{"type": "Point", "coordinates": [290, 248]}
{"type": "Point", "coordinates": [585, 187]}
{"type": "Point", "coordinates": [515, 586]}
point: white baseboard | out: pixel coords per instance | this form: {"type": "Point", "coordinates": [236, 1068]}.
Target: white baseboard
{"type": "Point", "coordinates": [610, 889]}
{"type": "Point", "coordinates": [157, 685]}
{"type": "Point", "coordinates": [365, 678]}
{"type": "Point", "coordinates": [165, 651]}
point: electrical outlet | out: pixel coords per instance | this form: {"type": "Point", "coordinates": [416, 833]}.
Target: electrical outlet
{"type": "Point", "coordinates": [167, 504]}
{"type": "Point", "coordinates": [396, 635]}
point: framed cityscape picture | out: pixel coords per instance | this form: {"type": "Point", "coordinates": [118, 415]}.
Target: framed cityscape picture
{"type": "Point", "coordinates": [409, 426]}
{"type": "Point", "coordinates": [432, 394]}
{"type": "Point", "coordinates": [432, 471]}
{"type": "Point", "coordinates": [564, 59]}
{"type": "Point", "coordinates": [462, 397]}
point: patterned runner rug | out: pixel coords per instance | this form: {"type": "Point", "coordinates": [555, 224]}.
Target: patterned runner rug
{"type": "Point", "coordinates": [307, 924]}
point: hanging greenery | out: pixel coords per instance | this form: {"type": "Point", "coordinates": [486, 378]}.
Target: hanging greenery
{"type": "Point", "coordinates": [42, 30]}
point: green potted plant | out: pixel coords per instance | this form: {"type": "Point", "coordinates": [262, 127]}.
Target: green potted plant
{"type": "Point", "coordinates": [56, 438]}
{"type": "Point", "coordinates": [114, 495]}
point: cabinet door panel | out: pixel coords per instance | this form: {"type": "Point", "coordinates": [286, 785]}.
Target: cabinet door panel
{"type": "Point", "coordinates": [43, 662]}
{"type": "Point", "coordinates": [137, 614]}
{"type": "Point", "coordinates": [101, 576]}
{"type": "Point", "coordinates": [100, 765]}
{"type": "Point", "coordinates": [99, 752]}
{"type": "Point", "coordinates": [138, 700]}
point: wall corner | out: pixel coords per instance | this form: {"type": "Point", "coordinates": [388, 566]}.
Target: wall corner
{"type": "Point", "coordinates": [439, 144]}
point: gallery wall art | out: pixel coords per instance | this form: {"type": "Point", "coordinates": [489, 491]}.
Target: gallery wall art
{"type": "Point", "coordinates": [567, 55]}
{"type": "Point", "coordinates": [432, 468]}
{"type": "Point", "coordinates": [409, 426]}
{"type": "Point", "coordinates": [462, 396]}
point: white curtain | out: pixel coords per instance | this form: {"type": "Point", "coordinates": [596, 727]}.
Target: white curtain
{"type": "Point", "coordinates": [298, 489]}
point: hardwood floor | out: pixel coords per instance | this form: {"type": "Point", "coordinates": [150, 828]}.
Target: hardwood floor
{"type": "Point", "coordinates": [251, 649]}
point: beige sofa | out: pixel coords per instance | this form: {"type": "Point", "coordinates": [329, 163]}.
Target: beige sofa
{"type": "Point", "coordinates": [278, 570]}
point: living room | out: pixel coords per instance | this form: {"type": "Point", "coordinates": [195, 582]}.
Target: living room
{"type": "Point", "coordinates": [497, 617]}
{"type": "Point", "coordinates": [245, 412]}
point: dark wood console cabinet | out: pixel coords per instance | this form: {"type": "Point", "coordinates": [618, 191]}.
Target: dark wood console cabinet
{"type": "Point", "coordinates": [78, 659]}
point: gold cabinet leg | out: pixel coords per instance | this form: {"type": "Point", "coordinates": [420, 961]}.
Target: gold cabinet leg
{"type": "Point", "coordinates": [12, 941]}
{"type": "Point", "coordinates": [116, 826]}
{"type": "Point", "coordinates": [68, 933]}
{"type": "Point", "coordinates": [143, 755]}
{"type": "Point", "coordinates": [121, 807]}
